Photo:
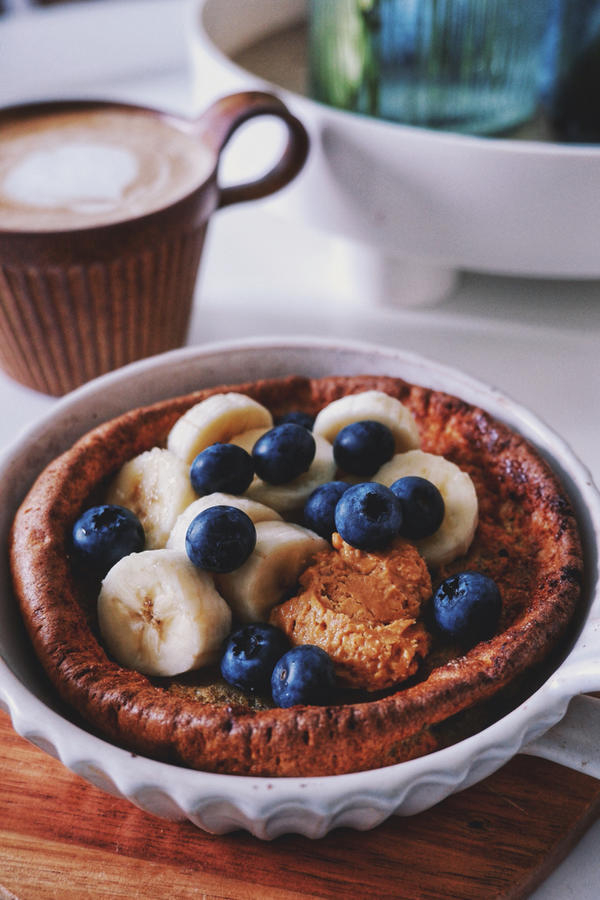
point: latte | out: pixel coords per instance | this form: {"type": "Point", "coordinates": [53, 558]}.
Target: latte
{"type": "Point", "coordinates": [93, 166]}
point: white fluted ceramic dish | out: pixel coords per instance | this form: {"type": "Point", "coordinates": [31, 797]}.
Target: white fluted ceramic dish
{"type": "Point", "coordinates": [269, 807]}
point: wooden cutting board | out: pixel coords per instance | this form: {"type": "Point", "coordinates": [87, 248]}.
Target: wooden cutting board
{"type": "Point", "coordinates": [62, 838]}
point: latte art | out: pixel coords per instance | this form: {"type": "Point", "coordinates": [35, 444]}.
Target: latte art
{"type": "Point", "coordinates": [86, 178]}
{"type": "Point", "coordinates": [82, 177]}
{"type": "Point", "coordinates": [93, 167]}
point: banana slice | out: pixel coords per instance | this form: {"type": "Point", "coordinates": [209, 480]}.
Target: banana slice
{"type": "Point", "coordinates": [160, 615]}
{"type": "Point", "coordinates": [216, 419]}
{"type": "Point", "coordinates": [454, 536]}
{"type": "Point", "coordinates": [156, 486]}
{"type": "Point", "coordinates": [258, 512]}
{"type": "Point", "coordinates": [282, 552]}
{"type": "Point", "coordinates": [289, 498]}
{"type": "Point", "coordinates": [374, 405]}
{"type": "Point", "coordinates": [248, 438]}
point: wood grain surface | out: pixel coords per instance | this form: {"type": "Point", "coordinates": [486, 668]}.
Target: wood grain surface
{"type": "Point", "coordinates": [63, 839]}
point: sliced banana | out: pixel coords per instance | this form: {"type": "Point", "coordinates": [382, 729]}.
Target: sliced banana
{"type": "Point", "coordinates": [258, 512]}
{"type": "Point", "coordinates": [454, 536]}
{"type": "Point", "coordinates": [282, 552]}
{"type": "Point", "coordinates": [160, 615]}
{"type": "Point", "coordinates": [289, 498]}
{"type": "Point", "coordinates": [375, 405]}
{"type": "Point", "coordinates": [247, 439]}
{"type": "Point", "coordinates": [156, 486]}
{"type": "Point", "coordinates": [216, 419]}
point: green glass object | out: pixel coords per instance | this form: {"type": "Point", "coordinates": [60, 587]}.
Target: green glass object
{"type": "Point", "coordinates": [460, 65]}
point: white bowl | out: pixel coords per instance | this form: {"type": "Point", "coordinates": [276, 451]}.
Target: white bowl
{"type": "Point", "coordinates": [268, 807]}
{"type": "Point", "coordinates": [507, 206]}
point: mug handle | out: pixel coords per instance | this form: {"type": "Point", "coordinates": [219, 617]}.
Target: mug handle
{"type": "Point", "coordinates": [224, 117]}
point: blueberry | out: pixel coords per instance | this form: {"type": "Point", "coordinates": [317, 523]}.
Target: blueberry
{"type": "Point", "coordinates": [363, 447]}
{"type": "Point", "coordinates": [250, 656]}
{"type": "Point", "coordinates": [104, 534]}
{"type": "Point", "coordinates": [368, 516]}
{"type": "Point", "coordinates": [283, 453]}
{"type": "Point", "coordinates": [296, 417]}
{"type": "Point", "coordinates": [304, 675]}
{"type": "Point", "coordinates": [319, 509]}
{"type": "Point", "coordinates": [222, 467]}
{"type": "Point", "coordinates": [220, 539]}
{"type": "Point", "coordinates": [422, 506]}
{"type": "Point", "coordinates": [467, 606]}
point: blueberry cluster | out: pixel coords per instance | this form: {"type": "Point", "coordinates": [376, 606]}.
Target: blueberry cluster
{"type": "Point", "coordinates": [258, 659]}
{"type": "Point", "coordinates": [221, 538]}
{"type": "Point", "coordinates": [369, 515]}
{"type": "Point", "coordinates": [283, 453]}
{"type": "Point", "coordinates": [280, 455]}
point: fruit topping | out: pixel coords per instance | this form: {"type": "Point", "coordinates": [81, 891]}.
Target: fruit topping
{"type": "Point", "coordinates": [303, 675]}
{"type": "Point", "coordinates": [467, 606]}
{"type": "Point", "coordinates": [220, 539]}
{"type": "Point", "coordinates": [156, 486]}
{"type": "Point", "coordinates": [250, 655]}
{"type": "Point", "coordinates": [282, 552]}
{"type": "Point", "coordinates": [368, 516]}
{"type": "Point", "coordinates": [346, 589]}
{"type": "Point", "coordinates": [289, 498]}
{"type": "Point", "coordinates": [104, 534]}
{"type": "Point", "coordinates": [422, 506]}
{"type": "Point", "coordinates": [283, 453]}
{"type": "Point", "coordinates": [222, 467]}
{"type": "Point", "coordinates": [216, 419]}
{"type": "Point", "coordinates": [319, 509]}
{"type": "Point", "coordinates": [363, 447]}
{"type": "Point", "coordinates": [258, 512]}
{"type": "Point", "coordinates": [161, 615]}
{"type": "Point", "coordinates": [297, 417]}
{"type": "Point", "coordinates": [369, 405]}
{"type": "Point", "coordinates": [455, 534]}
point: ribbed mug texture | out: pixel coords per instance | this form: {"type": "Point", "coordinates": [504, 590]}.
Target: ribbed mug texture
{"type": "Point", "coordinates": [61, 325]}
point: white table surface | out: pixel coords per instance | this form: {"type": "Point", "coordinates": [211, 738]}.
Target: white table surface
{"type": "Point", "coordinates": [262, 275]}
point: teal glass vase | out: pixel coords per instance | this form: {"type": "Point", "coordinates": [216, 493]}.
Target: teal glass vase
{"type": "Point", "coordinates": [470, 66]}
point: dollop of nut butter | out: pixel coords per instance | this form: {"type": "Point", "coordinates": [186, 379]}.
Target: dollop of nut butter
{"type": "Point", "coordinates": [362, 608]}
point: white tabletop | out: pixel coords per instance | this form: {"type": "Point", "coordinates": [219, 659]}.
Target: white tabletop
{"type": "Point", "coordinates": [266, 274]}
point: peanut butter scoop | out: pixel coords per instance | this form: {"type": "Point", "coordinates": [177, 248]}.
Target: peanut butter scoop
{"type": "Point", "coordinates": [362, 609]}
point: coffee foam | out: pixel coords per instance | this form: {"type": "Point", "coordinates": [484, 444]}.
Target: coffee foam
{"type": "Point", "coordinates": [93, 167]}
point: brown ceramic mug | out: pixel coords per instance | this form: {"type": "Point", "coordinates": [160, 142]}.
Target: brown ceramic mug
{"type": "Point", "coordinates": [96, 272]}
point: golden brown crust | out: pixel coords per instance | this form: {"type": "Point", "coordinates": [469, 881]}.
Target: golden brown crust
{"type": "Point", "coordinates": [527, 540]}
